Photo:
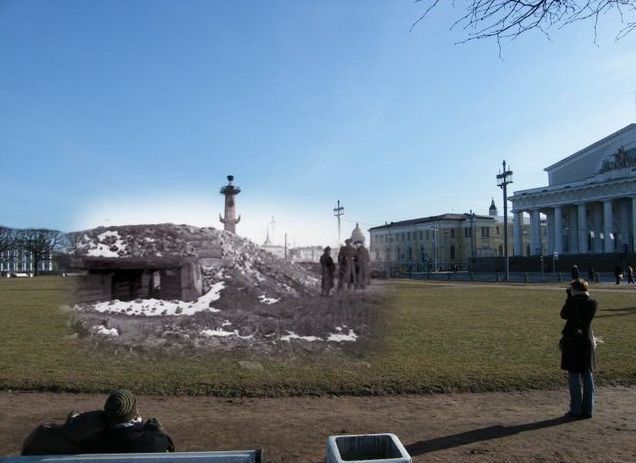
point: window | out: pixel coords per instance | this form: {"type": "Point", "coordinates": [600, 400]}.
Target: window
{"type": "Point", "coordinates": [421, 234]}
{"type": "Point", "coordinates": [452, 252]}
{"type": "Point", "coordinates": [497, 230]}
{"type": "Point", "coordinates": [452, 233]}
{"type": "Point", "coordinates": [426, 234]}
{"type": "Point", "coordinates": [485, 232]}
{"type": "Point", "coordinates": [408, 236]}
{"type": "Point", "coordinates": [468, 232]}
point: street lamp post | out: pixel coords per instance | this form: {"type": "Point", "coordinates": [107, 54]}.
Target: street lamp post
{"type": "Point", "coordinates": [504, 178]}
{"type": "Point", "coordinates": [390, 249]}
{"type": "Point", "coordinates": [338, 211]}
{"type": "Point", "coordinates": [435, 228]}
{"type": "Point", "coordinates": [472, 236]}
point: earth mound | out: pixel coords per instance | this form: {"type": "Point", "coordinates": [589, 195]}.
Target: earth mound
{"type": "Point", "coordinates": [250, 298]}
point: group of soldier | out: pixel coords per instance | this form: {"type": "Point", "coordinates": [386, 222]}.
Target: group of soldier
{"type": "Point", "coordinates": [353, 267]}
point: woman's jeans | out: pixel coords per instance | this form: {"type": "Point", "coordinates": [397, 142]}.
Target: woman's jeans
{"type": "Point", "coordinates": [581, 404]}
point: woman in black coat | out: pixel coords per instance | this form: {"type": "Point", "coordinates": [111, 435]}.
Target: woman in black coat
{"type": "Point", "coordinates": [577, 348]}
{"type": "Point", "coordinates": [574, 273]}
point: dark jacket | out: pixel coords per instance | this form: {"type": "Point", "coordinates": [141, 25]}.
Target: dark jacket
{"type": "Point", "coordinates": [362, 264]}
{"type": "Point", "coordinates": [89, 432]}
{"type": "Point", "coordinates": [142, 438]}
{"type": "Point", "coordinates": [577, 349]}
{"type": "Point", "coordinates": [65, 439]}
{"type": "Point", "coordinates": [342, 260]}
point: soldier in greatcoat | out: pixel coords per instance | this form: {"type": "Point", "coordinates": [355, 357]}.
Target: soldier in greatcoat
{"type": "Point", "coordinates": [327, 268]}
{"type": "Point", "coordinates": [362, 265]}
{"type": "Point", "coordinates": [346, 266]}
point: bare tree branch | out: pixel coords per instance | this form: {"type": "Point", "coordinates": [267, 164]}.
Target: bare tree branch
{"type": "Point", "coordinates": [72, 243]}
{"type": "Point", "coordinates": [7, 239]}
{"type": "Point", "coordinates": [508, 19]}
{"type": "Point", "coordinates": [40, 242]}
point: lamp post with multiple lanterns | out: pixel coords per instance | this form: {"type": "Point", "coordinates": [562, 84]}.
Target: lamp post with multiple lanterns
{"type": "Point", "coordinates": [504, 178]}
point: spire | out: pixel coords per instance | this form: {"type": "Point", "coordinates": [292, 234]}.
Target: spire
{"type": "Point", "coordinates": [492, 211]}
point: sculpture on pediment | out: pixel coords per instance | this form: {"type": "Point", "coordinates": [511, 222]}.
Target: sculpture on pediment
{"type": "Point", "coordinates": [620, 160]}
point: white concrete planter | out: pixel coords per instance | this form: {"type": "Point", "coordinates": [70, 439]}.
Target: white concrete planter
{"type": "Point", "coordinates": [366, 448]}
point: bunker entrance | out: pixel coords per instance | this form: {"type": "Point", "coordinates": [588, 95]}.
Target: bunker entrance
{"type": "Point", "coordinates": [134, 278]}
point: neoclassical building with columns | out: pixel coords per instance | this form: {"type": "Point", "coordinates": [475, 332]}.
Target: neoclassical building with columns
{"type": "Point", "coordinates": [589, 203]}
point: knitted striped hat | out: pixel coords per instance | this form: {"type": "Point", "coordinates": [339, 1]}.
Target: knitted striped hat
{"type": "Point", "coordinates": [121, 406]}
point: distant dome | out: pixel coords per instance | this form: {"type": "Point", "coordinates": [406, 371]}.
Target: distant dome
{"type": "Point", "coordinates": [492, 211]}
{"type": "Point", "coordinates": [357, 234]}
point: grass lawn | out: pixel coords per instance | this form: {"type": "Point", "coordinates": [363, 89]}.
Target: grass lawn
{"type": "Point", "coordinates": [430, 337]}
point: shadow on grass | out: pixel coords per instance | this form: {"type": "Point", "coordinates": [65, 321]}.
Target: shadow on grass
{"type": "Point", "coordinates": [478, 435]}
{"type": "Point", "coordinates": [618, 312]}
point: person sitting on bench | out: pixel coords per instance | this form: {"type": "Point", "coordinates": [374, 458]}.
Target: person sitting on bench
{"type": "Point", "coordinates": [118, 428]}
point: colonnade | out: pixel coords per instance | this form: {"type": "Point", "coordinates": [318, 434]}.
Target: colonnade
{"type": "Point", "coordinates": [596, 226]}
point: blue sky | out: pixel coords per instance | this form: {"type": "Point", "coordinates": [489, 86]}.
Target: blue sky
{"type": "Point", "coordinates": [135, 111]}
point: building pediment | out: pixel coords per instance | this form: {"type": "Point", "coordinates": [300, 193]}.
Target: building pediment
{"type": "Point", "coordinates": [612, 157]}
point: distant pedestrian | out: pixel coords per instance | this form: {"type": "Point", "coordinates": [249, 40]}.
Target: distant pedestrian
{"type": "Point", "coordinates": [574, 273]}
{"type": "Point", "coordinates": [618, 274]}
{"type": "Point", "coordinates": [327, 269]}
{"type": "Point", "coordinates": [577, 348]}
{"type": "Point", "coordinates": [590, 274]}
{"type": "Point", "coordinates": [341, 266]}
{"type": "Point", "coordinates": [630, 274]}
{"type": "Point", "coordinates": [362, 265]}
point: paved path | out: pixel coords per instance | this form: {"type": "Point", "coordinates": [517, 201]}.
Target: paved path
{"type": "Point", "coordinates": [489, 427]}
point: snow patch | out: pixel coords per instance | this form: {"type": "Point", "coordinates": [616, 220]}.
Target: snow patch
{"type": "Point", "coordinates": [223, 334]}
{"type": "Point", "coordinates": [101, 329]}
{"type": "Point", "coordinates": [340, 337]}
{"type": "Point", "coordinates": [104, 250]}
{"type": "Point", "coordinates": [157, 307]}
{"type": "Point", "coordinates": [291, 335]}
{"type": "Point", "coordinates": [101, 250]}
{"type": "Point", "coordinates": [267, 300]}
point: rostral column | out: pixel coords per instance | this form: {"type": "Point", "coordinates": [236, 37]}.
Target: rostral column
{"type": "Point", "coordinates": [230, 191]}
